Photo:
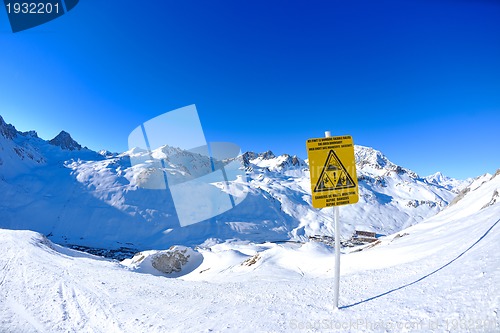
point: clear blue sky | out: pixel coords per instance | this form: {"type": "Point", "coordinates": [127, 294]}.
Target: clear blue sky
{"type": "Point", "coordinates": [418, 80]}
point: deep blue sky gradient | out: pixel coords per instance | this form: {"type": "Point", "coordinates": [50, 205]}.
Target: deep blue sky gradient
{"type": "Point", "coordinates": [418, 80]}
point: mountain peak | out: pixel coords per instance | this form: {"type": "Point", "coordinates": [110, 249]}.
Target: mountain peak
{"type": "Point", "coordinates": [250, 155]}
{"type": "Point", "coordinates": [65, 141]}
{"type": "Point", "coordinates": [267, 155]}
{"type": "Point", "coordinates": [7, 130]}
{"type": "Point", "coordinates": [373, 161]}
{"type": "Point", "coordinates": [452, 184]}
{"type": "Point", "coordinates": [437, 178]}
{"type": "Point", "coordinates": [107, 153]}
{"type": "Point", "coordinates": [367, 155]}
{"type": "Point", "coordinates": [31, 134]}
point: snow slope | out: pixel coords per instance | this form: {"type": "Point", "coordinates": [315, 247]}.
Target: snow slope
{"type": "Point", "coordinates": [440, 275]}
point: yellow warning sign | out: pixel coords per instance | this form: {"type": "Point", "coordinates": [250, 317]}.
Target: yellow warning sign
{"type": "Point", "coordinates": [333, 171]}
{"type": "Point", "coordinates": [334, 176]}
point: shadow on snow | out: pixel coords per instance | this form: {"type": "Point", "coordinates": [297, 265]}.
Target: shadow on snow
{"type": "Point", "coordinates": [423, 277]}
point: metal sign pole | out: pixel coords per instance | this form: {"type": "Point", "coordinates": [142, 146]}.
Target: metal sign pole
{"type": "Point", "coordinates": [336, 278]}
{"type": "Point", "coordinates": [336, 285]}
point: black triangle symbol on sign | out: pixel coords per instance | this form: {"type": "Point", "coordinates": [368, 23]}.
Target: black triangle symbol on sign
{"type": "Point", "coordinates": [334, 176]}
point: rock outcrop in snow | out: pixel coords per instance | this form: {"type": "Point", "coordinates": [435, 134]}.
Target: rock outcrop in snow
{"type": "Point", "coordinates": [475, 184]}
{"type": "Point", "coordinates": [176, 261]}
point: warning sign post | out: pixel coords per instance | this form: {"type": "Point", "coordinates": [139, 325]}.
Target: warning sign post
{"type": "Point", "coordinates": [333, 171]}
{"type": "Point", "coordinates": [333, 183]}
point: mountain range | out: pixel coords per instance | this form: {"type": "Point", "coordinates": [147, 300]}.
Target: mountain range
{"type": "Point", "coordinates": [79, 197]}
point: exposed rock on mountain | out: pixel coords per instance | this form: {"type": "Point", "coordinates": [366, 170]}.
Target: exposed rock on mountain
{"type": "Point", "coordinates": [65, 141]}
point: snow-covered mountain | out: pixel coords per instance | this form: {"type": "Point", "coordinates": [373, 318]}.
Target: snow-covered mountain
{"type": "Point", "coordinates": [452, 184]}
{"type": "Point", "coordinates": [440, 275]}
{"type": "Point", "coordinates": [77, 196]}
